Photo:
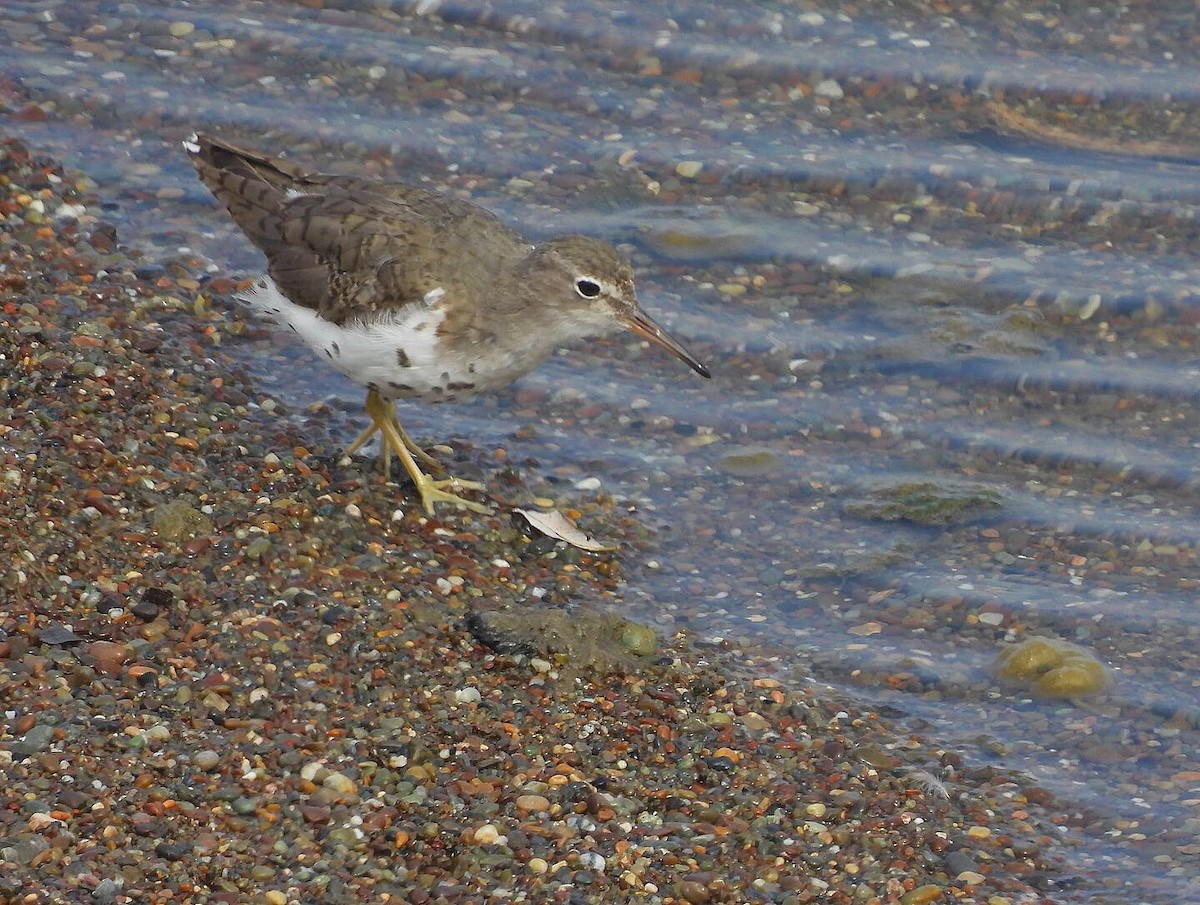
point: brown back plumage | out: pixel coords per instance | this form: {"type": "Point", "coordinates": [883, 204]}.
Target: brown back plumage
{"type": "Point", "coordinates": [347, 247]}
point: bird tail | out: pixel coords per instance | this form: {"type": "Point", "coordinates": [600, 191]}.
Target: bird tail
{"type": "Point", "coordinates": [213, 156]}
{"type": "Point", "coordinates": [252, 187]}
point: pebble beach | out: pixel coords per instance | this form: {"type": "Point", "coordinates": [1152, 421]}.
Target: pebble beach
{"type": "Point", "coordinates": [900, 606]}
{"type": "Point", "coordinates": [234, 671]}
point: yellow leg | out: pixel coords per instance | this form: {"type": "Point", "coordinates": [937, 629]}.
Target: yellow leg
{"type": "Point", "coordinates": [373, 429]}
{"type": "Point", "coordinates": [384, 420]}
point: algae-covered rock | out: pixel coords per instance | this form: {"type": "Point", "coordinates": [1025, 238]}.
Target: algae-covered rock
{"type": "Point", "coordinates": [580, 642]}
{"type": "Point", "coordinates": [179, 520]}
{"type": "Point", "coordinates": [927, 503]}
{"type": "Point", "coordinates": [637, 638]}
{"type": "Point", "coordinates": [1052, 668]}
{"type": "Point", "coordinates": [750, 462]}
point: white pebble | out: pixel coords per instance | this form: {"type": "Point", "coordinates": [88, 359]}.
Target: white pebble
{"type": "Point", "coordinates": [592, 861]}
{"type": "Point", "coordinates": [829, 88]}
{"type": "Point", "coordinates": [489, 835]}
{"type": "Point", "coordinates": [340, 783]}
{"type": "Point", "coordinates": [41, 821]}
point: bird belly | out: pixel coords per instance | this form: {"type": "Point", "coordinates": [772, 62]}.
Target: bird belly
{"type": "Point", "coordinates": [399, 354]}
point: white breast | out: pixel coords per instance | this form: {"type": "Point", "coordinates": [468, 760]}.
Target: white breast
{"type": "Point", "coordinates": [396, 355]}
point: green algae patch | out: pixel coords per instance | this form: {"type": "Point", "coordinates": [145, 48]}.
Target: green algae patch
{"type": "Point", "coordinates": [927, 503]}
{"type": "Point", "coordinates": [698, 241]}
{"type": "Point", "coordinates": [577, 643]}
{"type": "Point", "coordinates": [179, 521]}
{"type": "Point", "coordinates": [752, 462]}
{"type": "Point", "coordinates": [1052, 668]}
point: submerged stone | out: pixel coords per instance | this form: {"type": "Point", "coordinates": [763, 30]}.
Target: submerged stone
{"type": "Point", "coordinates": [1052, 668]}
{"type": "Point", "coordinates": [928, 503]}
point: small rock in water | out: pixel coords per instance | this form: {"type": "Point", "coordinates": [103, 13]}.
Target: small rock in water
{"type": "Point", "coordinates": [751, 462]}
{"type": "Point", "coordinates": [829, 88]}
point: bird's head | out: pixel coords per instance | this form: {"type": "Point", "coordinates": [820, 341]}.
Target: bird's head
{"type": "Point", "coordinates": [589, 286]}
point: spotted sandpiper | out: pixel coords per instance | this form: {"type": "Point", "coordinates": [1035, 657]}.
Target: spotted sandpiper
{"type": "Point", "coordinates": [415, 294]}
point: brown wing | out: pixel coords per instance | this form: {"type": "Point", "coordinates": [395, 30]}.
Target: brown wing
{"type": "Point", "coordinates": [348, 247]}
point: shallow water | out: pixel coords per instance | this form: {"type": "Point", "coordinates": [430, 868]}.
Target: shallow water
{"type": "Point", "coordinates": [916, 249]}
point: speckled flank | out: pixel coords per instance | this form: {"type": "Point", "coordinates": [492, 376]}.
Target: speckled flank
{"type": "Point", "coordinates": [374, 354]}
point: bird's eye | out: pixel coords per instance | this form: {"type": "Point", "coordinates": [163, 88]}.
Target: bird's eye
{"type": "Point", "coordinates": [586, 288]}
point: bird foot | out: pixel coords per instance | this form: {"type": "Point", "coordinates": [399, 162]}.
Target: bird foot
{"type": "Point", "coordinates": [431, 492]}
{"type": "Point", "coordinates": [396, 440]}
